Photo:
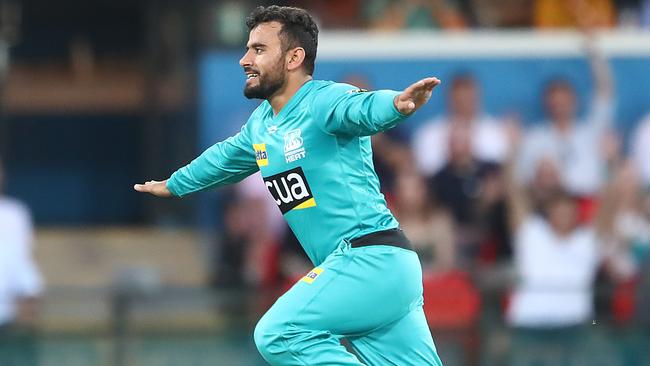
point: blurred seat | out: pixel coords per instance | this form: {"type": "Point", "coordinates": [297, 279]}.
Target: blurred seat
{"type": "Point", "coordinates": [451, 301]}
{"type": "Point", "coordinates": [452, 305]}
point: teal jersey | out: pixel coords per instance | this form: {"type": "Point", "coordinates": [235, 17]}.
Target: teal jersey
{"type": "Point", "coordinates": [315, 157]}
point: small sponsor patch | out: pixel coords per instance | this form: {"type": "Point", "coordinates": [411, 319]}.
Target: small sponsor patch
{"type": "Point", "coordinates": [360, 90]}
{"type": "Point", "coordinates": [261, 156]}
{"type": "Point", "coordinates": [313, 275]}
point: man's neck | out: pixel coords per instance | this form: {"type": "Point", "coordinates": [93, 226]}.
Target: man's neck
{"type": "Point", "coordinates": [282, 97]}
{"type": "Point", "coordinates": [463, 118]}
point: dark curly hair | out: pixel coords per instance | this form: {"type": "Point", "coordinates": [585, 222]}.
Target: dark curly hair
{"type": "Point", "coordinates": [298, 29]}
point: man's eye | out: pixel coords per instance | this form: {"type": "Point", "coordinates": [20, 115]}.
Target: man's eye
{"type": "Point", "coordinates": [258, 51]}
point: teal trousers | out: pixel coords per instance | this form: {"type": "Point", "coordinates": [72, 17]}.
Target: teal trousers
{"type": "Point", "coordinates": [372, 296]}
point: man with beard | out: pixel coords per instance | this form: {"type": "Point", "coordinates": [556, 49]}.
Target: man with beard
{"type": "Point", "coordinates": [311, 141]}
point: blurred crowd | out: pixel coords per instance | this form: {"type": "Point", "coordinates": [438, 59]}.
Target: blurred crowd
{"type": "Point", "coordinates": [554, 214]}
{"type": "Point", "coordinates": [391, 15]}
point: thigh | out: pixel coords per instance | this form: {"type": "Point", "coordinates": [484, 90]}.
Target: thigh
{"type": "Point", "coordinates": [353, 292]}
{"type": "Point", "coordinates": [405, 342]}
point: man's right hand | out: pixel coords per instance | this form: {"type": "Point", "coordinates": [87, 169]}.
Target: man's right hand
{"type": "Point", "coordinates": [157, 188]}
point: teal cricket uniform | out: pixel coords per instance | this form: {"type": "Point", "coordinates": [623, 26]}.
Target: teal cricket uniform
{"type": "Point", "coordinates": [315, 158]}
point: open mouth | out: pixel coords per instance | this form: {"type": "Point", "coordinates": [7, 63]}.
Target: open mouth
{"type": "Point", "coordinates": [251, 75]}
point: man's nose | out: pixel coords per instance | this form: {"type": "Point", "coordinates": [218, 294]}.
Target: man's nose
{"type": "Point", "coordinates": [245, 60]}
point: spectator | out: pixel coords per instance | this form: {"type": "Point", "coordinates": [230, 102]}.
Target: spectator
{"type": "Point", "coordinates": [556, 259]}
{"type": "Point", "coordinates": [488, 140]}
{"type": "Point", "coordinates": [248, 250]}
{"type": "Point", "coordinates": [630, 233]}
{"type": "Point", "coordinates": [574, 13]}
{"type": "Point", "coordinates": [641, 150]}
{"type": "Point", "coordinates": [570, 145]}
{"type": "Point", "coordinates": [428, 227]}
{"type": "Point", "coordinates": [413, 14]}
{"type": "Point", "coordinates": [20, 281]}
{"type": "Point", "coordinates": [468, 188]}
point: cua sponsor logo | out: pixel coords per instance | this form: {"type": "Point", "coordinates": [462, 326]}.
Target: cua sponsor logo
{"type": "Point", "coordinates": [290, 190]}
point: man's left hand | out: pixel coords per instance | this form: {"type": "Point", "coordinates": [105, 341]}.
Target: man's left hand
{"type": "Point", "coordinates": [415, 96]}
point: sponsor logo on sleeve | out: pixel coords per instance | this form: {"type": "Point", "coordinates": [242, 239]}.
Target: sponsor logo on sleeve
{"type": "Point", "coordinates": [261, 156]}
{"type": "Point", "coordinates": [290, 190]}
{"type": "Point", "coordinates": [312, 276]}
{"type": "Point", "coordinates": [294, 148]}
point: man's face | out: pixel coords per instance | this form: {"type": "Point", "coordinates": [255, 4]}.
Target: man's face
{"type": "Point", "coordinates": [464, 99]}
{"type": "Point", "coordinates": [563, 215]}
{"type": "Point", "coordinates": [264, 62]}
{"type": "Point", "coordinates": [561, 103]}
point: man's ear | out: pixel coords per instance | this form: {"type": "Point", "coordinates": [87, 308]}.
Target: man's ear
{"type": "Point", "coordinates": [295, 58]}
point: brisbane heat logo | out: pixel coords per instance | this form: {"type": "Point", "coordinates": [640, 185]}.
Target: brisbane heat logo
{"type": "Point", "coordinates": [290, 190]}
{"type": "Point", "coordinates": [293, 146]}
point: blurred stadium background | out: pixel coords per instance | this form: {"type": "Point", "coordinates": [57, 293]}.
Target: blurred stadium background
{"type": "Point", "coordinates": [98, 95]}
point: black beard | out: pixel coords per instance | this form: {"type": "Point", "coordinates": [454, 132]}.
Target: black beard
{"type": "Point", "coordinates": [265, 88]}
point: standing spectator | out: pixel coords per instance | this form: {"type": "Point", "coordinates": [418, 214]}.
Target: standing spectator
{"type": "Point", "coordinates": [571, 145]}
{"type": "Point", "coordinates": [556, 259]}
{"type": "Point", "coordinates": [468, 187]}
{"type": "Point", "coordinates": [20, 282]}
{"type": "Point", "coordinates": [488, 139]}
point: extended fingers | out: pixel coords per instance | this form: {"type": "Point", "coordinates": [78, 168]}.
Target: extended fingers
{"type": "Point", "coordinates": [144, 187]}
{"type": "Point", "coordinates": [430, 83]}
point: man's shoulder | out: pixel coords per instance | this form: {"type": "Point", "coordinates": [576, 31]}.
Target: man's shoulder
{"type": "Point", "coordinates": [257, 116]}
{"type": "Point", "coordinates": [334, 88]}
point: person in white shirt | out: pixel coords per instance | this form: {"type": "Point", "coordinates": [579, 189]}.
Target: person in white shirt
{"type": "Point", "coordinates": [556, 262]}
{"type": "Point", "coordinates": [489, 141]}
{"type": "Point", "coordinates": [572, 145]}
{"type": "Point", "coordinates": [20, 280]}
{"type": "Point", "coordinates": [556, 259]}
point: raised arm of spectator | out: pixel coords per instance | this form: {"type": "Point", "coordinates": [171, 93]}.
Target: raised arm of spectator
{"type": "Point", "coordinates": [601, 113]}
{"type": "Point", "coordinates": [516, 196]}
{"type": "Point", "coordinates": [609, 195]}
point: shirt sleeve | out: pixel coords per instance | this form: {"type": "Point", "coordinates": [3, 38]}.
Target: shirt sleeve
{"type": "Point", "coordinates": [28, 281]}
{"type": "Point", "coordinates": [343, 109]}
{"type": "Point", "coordinates": [226, 162]}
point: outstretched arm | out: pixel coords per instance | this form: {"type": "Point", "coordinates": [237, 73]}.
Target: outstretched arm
{"type": "Point", "coordinates": [224, 163]}
{"type": "Point", "coordinates": [601, 113]}
{"type": "Point", "coordinates": [345, 111]}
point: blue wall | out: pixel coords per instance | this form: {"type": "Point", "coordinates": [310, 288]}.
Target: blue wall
{"type": "Point", "coordinates": [509, 85]}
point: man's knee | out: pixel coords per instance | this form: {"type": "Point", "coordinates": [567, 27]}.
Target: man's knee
{"type": "Point", "coordinates": [268, 337]}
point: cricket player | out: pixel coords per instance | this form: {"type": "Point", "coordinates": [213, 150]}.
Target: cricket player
{"type": "Point", "coordinates": [311, 141]}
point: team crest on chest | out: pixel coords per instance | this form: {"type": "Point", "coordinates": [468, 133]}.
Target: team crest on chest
{"type": "Point", "coordinates": [294, 148]}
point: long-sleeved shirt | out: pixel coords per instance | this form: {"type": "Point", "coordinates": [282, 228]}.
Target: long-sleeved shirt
{"type": "Point", "coordinates": [315, 158]}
